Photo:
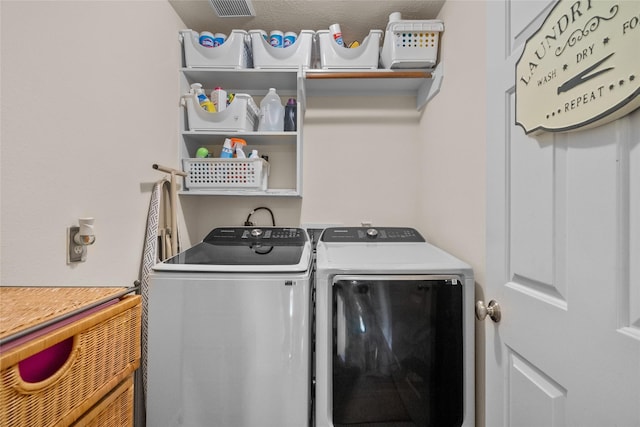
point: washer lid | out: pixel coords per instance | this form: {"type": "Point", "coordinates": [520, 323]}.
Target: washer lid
{"type": "Point", "coordinates": [245, 249]}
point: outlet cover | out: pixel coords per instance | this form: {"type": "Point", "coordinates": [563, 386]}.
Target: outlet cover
{"type": "Point", "coordinates": [75, 252]}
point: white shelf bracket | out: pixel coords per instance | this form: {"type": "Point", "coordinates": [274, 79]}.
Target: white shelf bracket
{"type": "Point", "coordinates": [430, 87]}
{"type": "Point", "coordinates": [302, 91]}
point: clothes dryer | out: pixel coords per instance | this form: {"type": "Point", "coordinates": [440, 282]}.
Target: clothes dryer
{"type": "Point", "coordinates": [229, 331]}
{"type": "Point", "coordinates": [394, 331]}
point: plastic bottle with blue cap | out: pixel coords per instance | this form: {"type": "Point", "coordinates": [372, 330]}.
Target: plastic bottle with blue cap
{"type": "Point", "coordinates": [219, 39]}
{"type": "Point", "coordinates": [336, 33]}
{"type": "Point", "coordinates": [207, 39]}
{"type": "Point", "coordinates": [227, 149]}
{"type": "Point", "coordinates": [289, 38]}
{"type": "Point", "coordinates": [276, 38]}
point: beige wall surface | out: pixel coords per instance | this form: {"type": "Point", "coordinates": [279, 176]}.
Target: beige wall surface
{"type": "Point", "coordinates": [361, 161]}
{"type": "Point", "coordinates": [360, 164]}
{"type": "Point", "coordinates": [452, 134]}
{"type": "Point", "coordinates": [90, 101]}
{"type": "Point", "coordinates": [453, 141]}
{"type": "Point", "coordinates": [89, 96]}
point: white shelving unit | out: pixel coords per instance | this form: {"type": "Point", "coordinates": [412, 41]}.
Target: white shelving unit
{"type": "Point", "coordinates": [284, 149]}
{"type": "Point", "coordinates": [423, 84]}
{"type": "Point", "coordinates": [230, 68]}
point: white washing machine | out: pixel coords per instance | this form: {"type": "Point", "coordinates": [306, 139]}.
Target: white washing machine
{"type": "Point", "coordinates": [229, 331]}
{"type": "Point", "coordinates": [394, 331]}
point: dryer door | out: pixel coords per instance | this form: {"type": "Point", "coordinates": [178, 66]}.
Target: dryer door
{"type": "Point", "coordinates": [397, 350]}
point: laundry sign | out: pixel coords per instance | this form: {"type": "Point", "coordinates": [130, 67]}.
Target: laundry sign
{"type": "Point", "coordinates": [581, 68]}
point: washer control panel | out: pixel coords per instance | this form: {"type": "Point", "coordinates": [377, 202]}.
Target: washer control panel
{"type": "Point", "coordinates": [371, 234]}
{"type": "Point", "coordinates": [267, 235]}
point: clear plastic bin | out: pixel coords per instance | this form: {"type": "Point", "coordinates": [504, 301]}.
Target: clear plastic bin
{"type": "Point", "coordinates": [295, 56]}
{"type": "Point", "coordinates": [334, 56]}
{"type": "Point", "coordinates": [234, 53]}
{"type": "Point", "coordinates": [226, 174]}
{"type": "Point", "coordinates": [411, 44]}
{"type": "Point", "coordinates": [240, 115]}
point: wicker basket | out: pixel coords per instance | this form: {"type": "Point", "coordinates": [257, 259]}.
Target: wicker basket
{"type": "Point", "coordinates": [105, 349]}
{"type": "Point", "coordinates": [24, 307]}
{"type": "Point", "coordinates": [114, 410]}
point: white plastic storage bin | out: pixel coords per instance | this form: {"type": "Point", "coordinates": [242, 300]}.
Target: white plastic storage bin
{"type": "Point", "coordinates": [226, 174]}
{"type": "Point", "coordinates": [234, 53]}
{"type": "Point", "coordinates": [240, 115]}
{"type": "Point", "coordinates": [411, 44]}
{"type": "Point", "coordinates": [295, 56]}
{"type": "Point", "coordinates": [334, 56]}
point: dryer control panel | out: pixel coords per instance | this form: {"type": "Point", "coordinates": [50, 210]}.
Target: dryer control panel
{"type": "Point", "coordinates": [369, 234]}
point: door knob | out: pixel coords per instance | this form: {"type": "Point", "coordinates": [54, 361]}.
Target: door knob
{"type": "Point", "coordinates": [493, 310]}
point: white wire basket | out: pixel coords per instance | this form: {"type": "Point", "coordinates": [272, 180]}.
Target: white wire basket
{"type": "Point", "coordinates": [411, 44]}
{"type": "Point", "coordinates": [226, 174]}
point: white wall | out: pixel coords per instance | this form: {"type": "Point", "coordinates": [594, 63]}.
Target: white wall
{"type": "Point", "coordinates": [90, 103]}
{"type": "Point", "coordinates": [360, 164]}
{"type": "Point", "coordinates": [89, 93]}
{"type": "Point", "coordinates": [89, 96]}
{"type": "Point", "coordinates": [452, 132]}
{"type": "Point", "coordinates": [361, 161]}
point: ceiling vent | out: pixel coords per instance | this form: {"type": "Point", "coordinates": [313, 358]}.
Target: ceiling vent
{"type": "Point", "coordinates": [233, 8]}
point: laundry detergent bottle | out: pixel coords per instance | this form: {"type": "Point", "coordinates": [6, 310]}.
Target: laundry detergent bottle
{"type": "Point", "coordinates": [204, 102]}
{"type": "Point", "coordinates": [271, 113]}
{"type": "Point", "coordinates": [290, 115]}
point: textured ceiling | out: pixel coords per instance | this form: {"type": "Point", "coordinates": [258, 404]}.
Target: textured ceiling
{"type": "Point", "coordinates": [356, 17]}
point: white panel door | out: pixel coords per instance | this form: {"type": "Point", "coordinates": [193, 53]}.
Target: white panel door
{"type": "Point", "coordinates": [563, 256]}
